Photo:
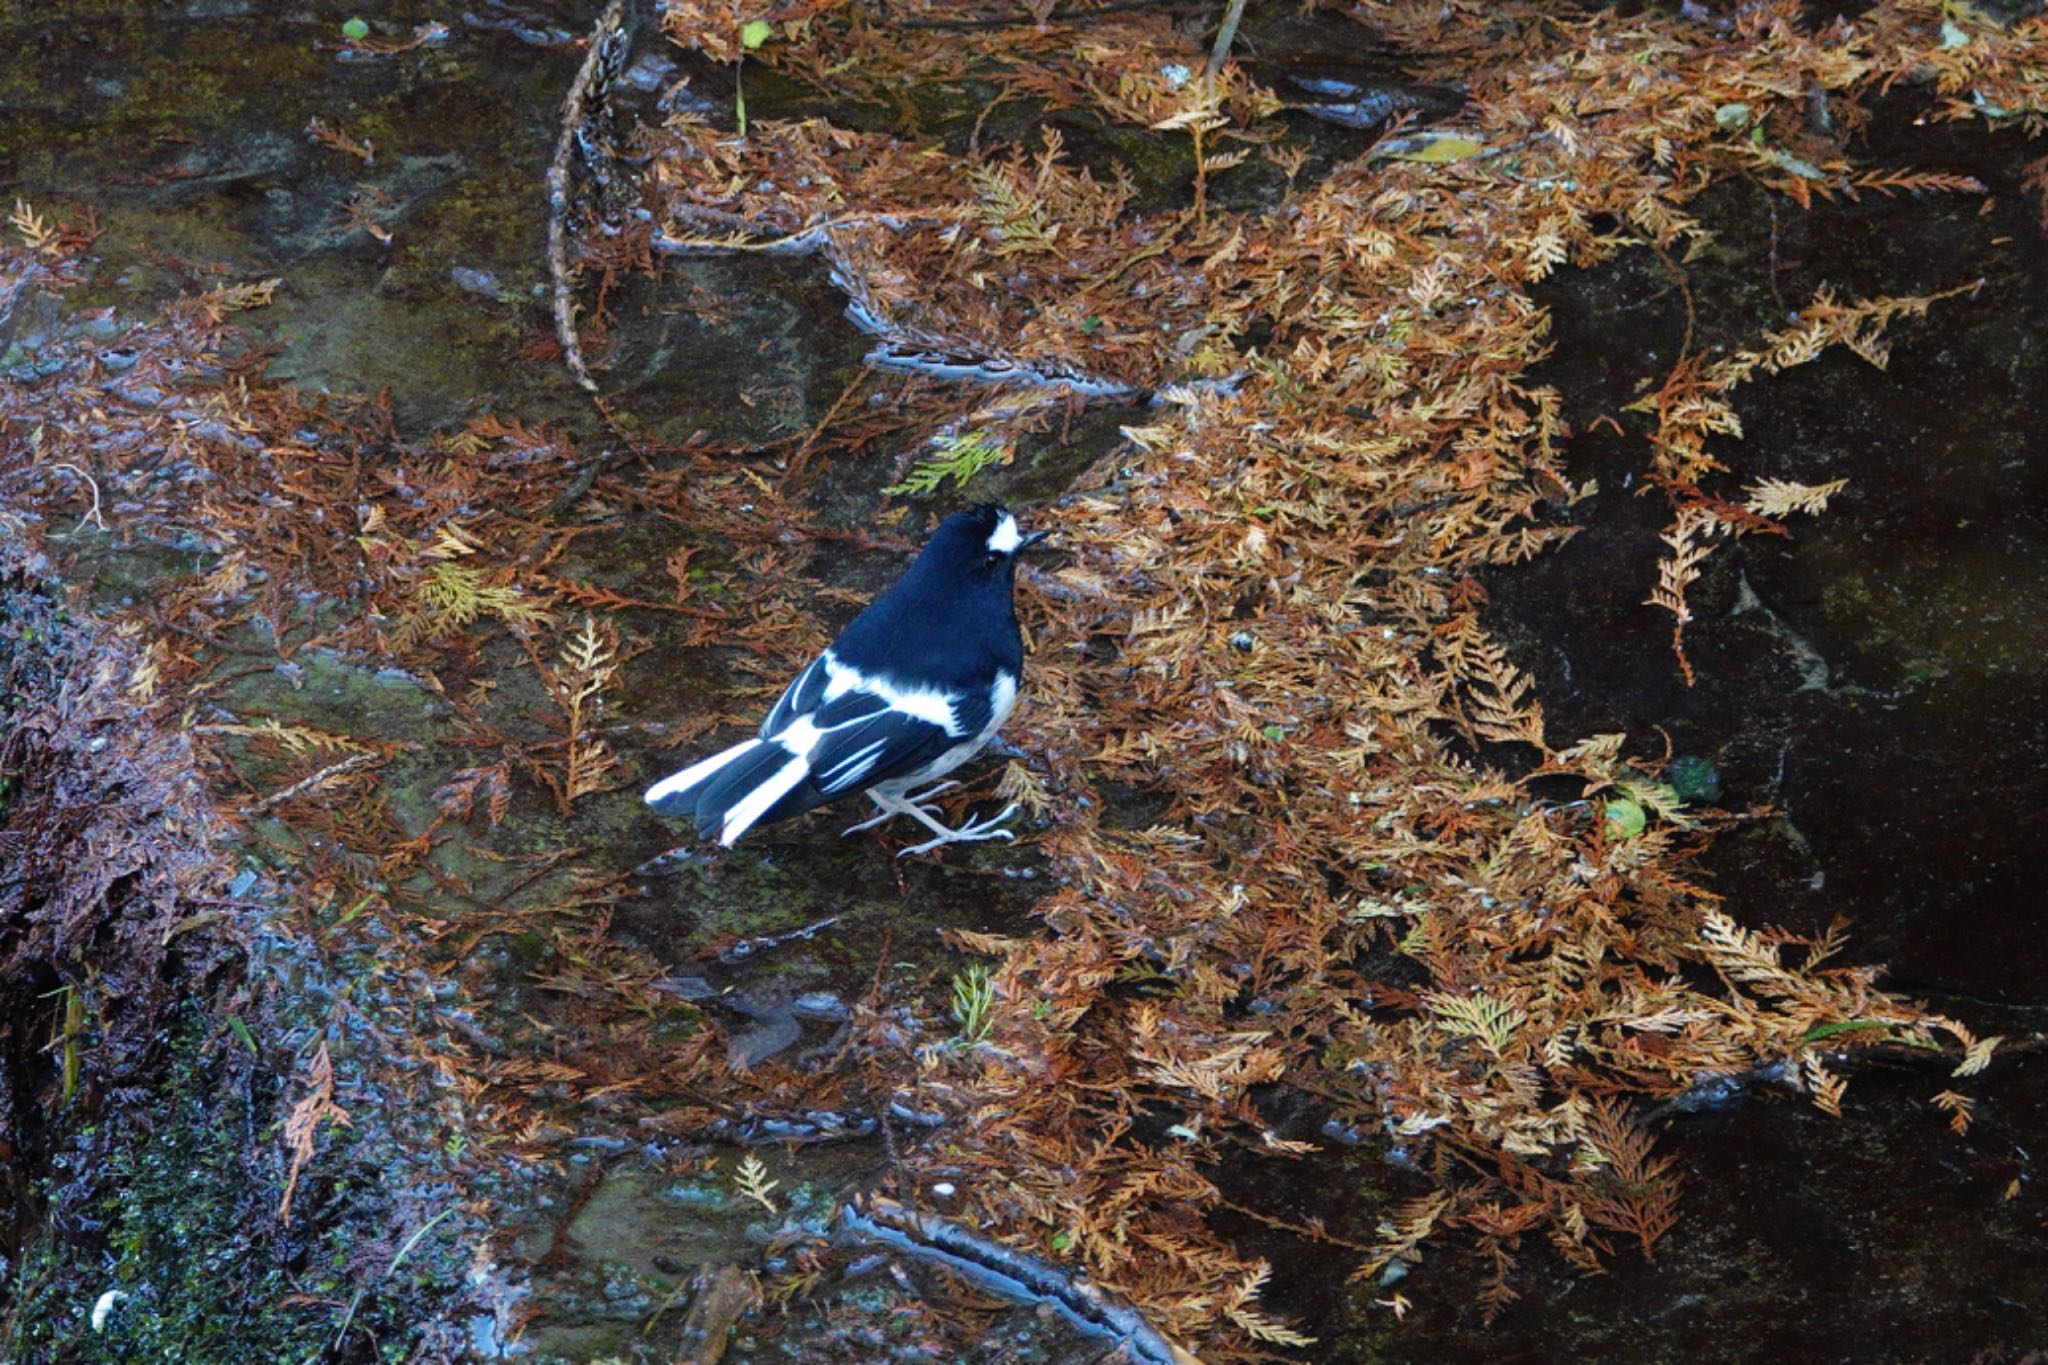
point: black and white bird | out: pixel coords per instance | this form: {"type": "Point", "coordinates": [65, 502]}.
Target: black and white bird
{"type": "Point", "coordinates": [914, 687]}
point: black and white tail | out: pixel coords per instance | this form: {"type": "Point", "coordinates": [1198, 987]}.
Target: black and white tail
{"type": "Point", "coordinates": [732, 791]}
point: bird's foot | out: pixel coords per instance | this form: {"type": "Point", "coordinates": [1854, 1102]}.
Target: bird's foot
{"type": "Point", "coordinates": [971, 832]}
{"type": "Point", "coordinates": [921, 808]}
{"type": "Point", "coordinates": [888, 813]}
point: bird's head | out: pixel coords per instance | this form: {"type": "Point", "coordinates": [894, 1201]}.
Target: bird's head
{"type": "Point", "coordinates": [978, 547]}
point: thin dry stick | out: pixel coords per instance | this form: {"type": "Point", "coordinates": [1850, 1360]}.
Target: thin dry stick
{"type": "Point", "coordinates": [92, 515]}
{"type": "Point", "coordinates": [326, 774]}
{"type": "Point", "coordinates": [558, 195]}
{"type": "Point", "coordinates": [1009, 1274]}
{"type": "Point", "coordinates": [803, 452]}
{"type": "Point", "coordinates": [1225, 36]}
{"type": "Point", "coordinates": [1684, 281]}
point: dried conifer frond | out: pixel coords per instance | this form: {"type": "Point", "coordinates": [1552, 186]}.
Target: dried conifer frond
{"type": "Point", "coordinates": [752, 1182]}
{"type": "Point", "coordinates": [302, 1126]}
{"type": "Point", "coordinates": [1403, 1234]}
{"type": "Point", "coordinates": [1693, 404]}
{"type": "Point", "coordinates": [1690, 541]}
{"type": "Point", "coordinates": [1781, 497]}
{"type": "Point", "coordinates": [1624, 1187]}
{"type": "Point", "coordinates": [1236, 1307]}
{"type": "Point", "coordinates": [1492, 1022]}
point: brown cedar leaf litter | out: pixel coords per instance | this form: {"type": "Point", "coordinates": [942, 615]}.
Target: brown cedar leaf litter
{"type": "Point", "coordinates": [1358, 885]}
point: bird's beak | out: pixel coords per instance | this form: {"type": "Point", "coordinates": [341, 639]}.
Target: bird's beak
{"type": "Point", "coordinates": [1031, 540]}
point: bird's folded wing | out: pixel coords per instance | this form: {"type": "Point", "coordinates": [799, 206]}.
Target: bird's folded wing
{"type": "Point", "coordinates": [863, 740]}
{"type": "Point", "coordinates": [801, 697]}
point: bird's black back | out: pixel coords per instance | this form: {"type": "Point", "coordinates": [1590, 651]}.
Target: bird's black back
{"type": "Point", "coordinates": [950, 620]}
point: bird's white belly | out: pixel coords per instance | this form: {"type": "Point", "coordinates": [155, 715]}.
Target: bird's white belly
{"type": "Point", "coordinates": [1003, 701]}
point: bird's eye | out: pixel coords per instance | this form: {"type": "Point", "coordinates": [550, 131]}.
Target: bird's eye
{"type": "Point", "coordinates": [993, 562]}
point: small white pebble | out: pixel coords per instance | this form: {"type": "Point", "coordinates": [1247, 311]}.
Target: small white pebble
{"type": "Point", "coordinates": [944, 1189]}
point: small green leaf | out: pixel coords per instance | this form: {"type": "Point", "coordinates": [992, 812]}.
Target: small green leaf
{"type": "Point", "coordinates": [241, 1030]}
{"type": "Point", "coordinates": [1274, 733]}
{"type": "Point", "coordinates": [1626, 819]}
{"type": "Point", "coordinates": [362, 903]}
{"type": "Point", "coordinates": [1412, 942]}
{"type": "Point", "coordinates": [1091, 324]}
{"type": "Point", "coordinates": [1658, 797]}
{"type": "Point", "coordinates": [756, 32]}
{"type": "Point", "coordinates": [1062, 1240]}
{"type": "Point", "coordinates": [1814, 1035]}
{"type": "Point", "coordinates": [1800, 167]}
{"type": "Point", "coordinates": [355, 30]}
{"type": "Point", "coordinates": [1734, 117]}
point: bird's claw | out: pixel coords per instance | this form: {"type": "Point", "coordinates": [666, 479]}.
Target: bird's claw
{"type": "Point", "coordinates": [925, 811]}
{"type": "Point", "coordinates": [972, 832]}
{"type": "Point", "coordinates": [869, 823]}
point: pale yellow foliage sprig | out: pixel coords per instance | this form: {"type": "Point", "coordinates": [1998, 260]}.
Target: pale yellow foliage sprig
{"type": "Point", "coordinates": [576, 680]}
{"type": "Point", "coordinates": [751, 1181]}
{"type": "Point", "coordinates": [1402, 1234]}
{"type": "Point", "coordinates": [448, 595]}
{"type": "Point", "coordinates": [1237, 1306]}
{"type": "Point", "coordinates": [1776, 498]}
{"type": "Point", "coordinates": [37, 232]}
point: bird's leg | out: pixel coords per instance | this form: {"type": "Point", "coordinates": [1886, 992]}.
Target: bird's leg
{"type": "Point", "coordinates": [912, 806]}
{"type": "Point", "coordinates": [968, 833]}
{"type": "Point", "coordinates": [889, 812]}
{"type": "Point", "coordinates": [923, 798]}
{"type": "Point", "coordinates": [905, 805]}
{"type": "Point", "coordinates": [892, 809]}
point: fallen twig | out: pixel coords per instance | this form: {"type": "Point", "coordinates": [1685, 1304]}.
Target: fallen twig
{"type": "Point", "coordinates": [341, 1333]}
{"type": "Point", "coordinates": [1225, 36]}
{"type": "Point", "coordinates": [93, 514]}
{"type": "Point", "coordinates": [304, 785]}
{"type": "Point", "coordinates": [724, 1294]}
{"type": "Point", "coordinates": [1009, 1275]}
{"type": "Point", "coordinates": [573, 113]}
{"type": "Point", "coordinates": [747, 947]}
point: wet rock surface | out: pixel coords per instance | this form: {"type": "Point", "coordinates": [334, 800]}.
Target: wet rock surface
{"type": "Point", "coordinates": [1874, 680]}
